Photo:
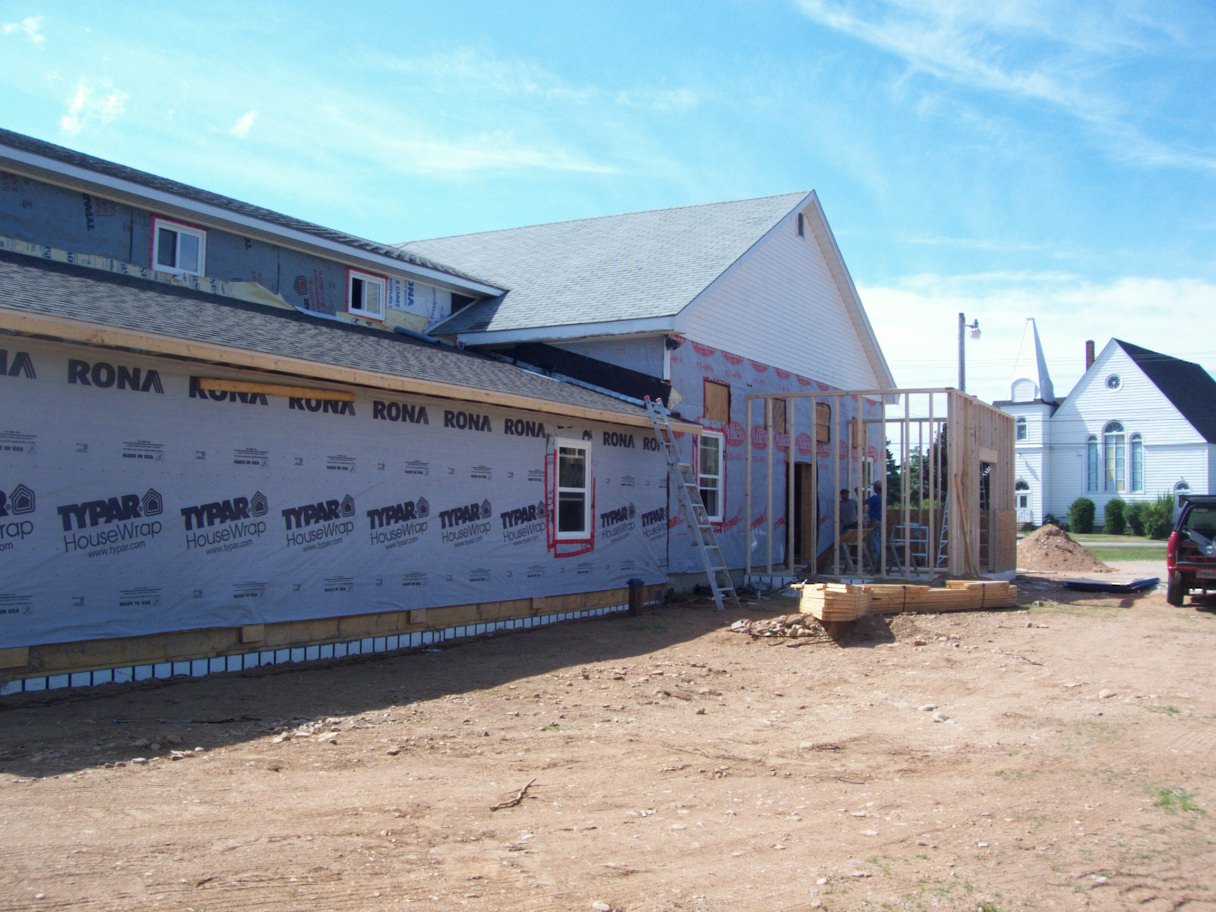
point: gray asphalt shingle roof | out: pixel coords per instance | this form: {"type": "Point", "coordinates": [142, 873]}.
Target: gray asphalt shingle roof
{"type": "Point", "coordinates": [620, 267]}
{"type": "Point", "coordinates": [111, 169]}
{"type": "Point", "coordinates": [35, 286]}
{"type": "Point", "coordinates": [1187, 385]}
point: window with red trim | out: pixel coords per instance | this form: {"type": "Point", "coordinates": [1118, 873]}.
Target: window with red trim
{"type": "Point", "coordinates": [572, 491]}
{"type": "Point", "coordinates": [711, 474]}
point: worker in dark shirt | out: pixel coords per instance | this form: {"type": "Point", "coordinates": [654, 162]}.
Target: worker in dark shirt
{"type": "Point", "coordinates": [874, 505]}
{"type": "Point", "coordinates": [874, 519]}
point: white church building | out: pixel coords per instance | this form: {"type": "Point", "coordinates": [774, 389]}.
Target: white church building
{"type": "Point", "coordinates": [1137, 424]}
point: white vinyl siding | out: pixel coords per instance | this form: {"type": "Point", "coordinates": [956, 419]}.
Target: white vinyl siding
{"type": "Point", "coordinates": [780, 305]}
{"type": "Point", "coordinates": [640, 354]}
{"type": "Point", "coordinates": [1172, 448]}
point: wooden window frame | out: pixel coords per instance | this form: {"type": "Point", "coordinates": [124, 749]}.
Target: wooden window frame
{"type": "Point", "coordinates": [823, 422]}
{"type": "Point", "coordinates": [780, 416]}
{"type": "Point", "coordinates": [705, 401]}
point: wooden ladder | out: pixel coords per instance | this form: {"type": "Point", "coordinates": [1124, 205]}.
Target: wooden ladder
{"type": "Point", "coordinates": [689, 494]}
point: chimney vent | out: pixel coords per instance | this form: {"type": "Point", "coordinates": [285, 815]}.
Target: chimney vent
{"type": "Point", "coordinates": [1089, 353]}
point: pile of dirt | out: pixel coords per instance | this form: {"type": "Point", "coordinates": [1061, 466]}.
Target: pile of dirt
{"type": "Point", "coordinates": [1051, 548]}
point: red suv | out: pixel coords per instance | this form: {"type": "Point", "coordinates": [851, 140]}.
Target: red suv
{"type": "Point", "coordinates": [1190, 557]}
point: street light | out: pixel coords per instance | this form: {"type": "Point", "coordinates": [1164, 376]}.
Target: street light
{"type": "Point", "coordinates": [973, 329]}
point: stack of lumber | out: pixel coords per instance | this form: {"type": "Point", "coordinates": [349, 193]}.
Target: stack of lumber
{"type": "Point", "coordinates": [849, 601]}
{"type": "Point", "coordinates": [990, 594]}
{"type": "Point", "coordinates": [835, 601]}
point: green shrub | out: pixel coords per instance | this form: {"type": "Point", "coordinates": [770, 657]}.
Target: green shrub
{"type": "Point", "coordinates": [1159, 517]}
{"type": "Point", "coordinates": [1114, 522]}
{"type": "Point", "coordinates": [1135, 517]}
{"type": "Point", "coordinates": [1081, 515]}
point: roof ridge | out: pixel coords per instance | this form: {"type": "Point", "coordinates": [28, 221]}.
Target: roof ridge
{"type": "Point", "coordinates": [599, 218]}
{"type": "Point", "coordinates": [151, 181]}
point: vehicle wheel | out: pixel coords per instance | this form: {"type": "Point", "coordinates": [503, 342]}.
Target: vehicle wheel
{"type": "Point", "coordinates": [1175, 592]}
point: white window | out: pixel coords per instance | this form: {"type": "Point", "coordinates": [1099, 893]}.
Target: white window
{"type": "Point", "coordinates": [1022, 494]}
{"type": "Point", "coordinates": [365, 294]}
{"type": "Point", "coordinates": [1114, 457]}
{"type": "Point", "coordinates": [710, 475]}
{"type": "Point", "coordinates": [1021, 428]}
{"type": "Point", "coordinates": [1137, 453]}
{"type": "Point", "coordinates": [572, 491]}
{"type": "Point", "coordinates": [179, 249]}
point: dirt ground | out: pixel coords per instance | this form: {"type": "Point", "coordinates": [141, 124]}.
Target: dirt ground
{"type": "Point", "coordinates": [1056, 756]}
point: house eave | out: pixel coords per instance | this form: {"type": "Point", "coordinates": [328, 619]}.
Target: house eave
{"type": "Point", "coordinates": [75, 177]}
{"type": "Point", "coordinates": [567, 333]}
{"type": "Point", "coordinates": [95, 334]}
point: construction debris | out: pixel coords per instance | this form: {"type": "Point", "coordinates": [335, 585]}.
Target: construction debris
{"type": "Point", "coordinates": [784, 625]}
{"type": "Point", "coordinates": [836, 602]}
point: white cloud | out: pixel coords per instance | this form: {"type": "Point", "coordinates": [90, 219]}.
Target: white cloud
{"type": "Point", "coordinates": [497, 151]}
{"type": "Point", "coordinates": [466, 74]}
{"type": "Point", "coordinates": [30, 26]}
{"type": "Point", "coordinates": [91, 103]}
{"type": "Point", "coordinates": [244, 124]}
{"type": "Point", "coordinates": [1055, 55]}
{"type": "Point", "coordinates": [917, 323]}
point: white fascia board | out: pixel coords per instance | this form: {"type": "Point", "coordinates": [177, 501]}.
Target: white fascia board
{"type": "Point", "coordinates": [848, 291]}
{"type": "Point", "coordinates": [838, 270]}
{"type": "Point", "coordinates": [124, 191]}
{"type": "Point", "coordinates": [568, 333]}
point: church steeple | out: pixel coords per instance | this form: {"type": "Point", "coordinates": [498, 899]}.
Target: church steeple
{"type": "Point", "coordinates": [1030, 378]}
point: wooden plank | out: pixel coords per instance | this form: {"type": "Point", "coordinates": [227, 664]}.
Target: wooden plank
{"type": "Point", "coordinates": [73, 330]}
{"type": "Point", "coordinates": [365, 625]}
{"type": "Point", "coordinates": [14, 657]}
{"type": "Point", "coordinates": [273, 389]}
{"type": "Point", "coordinates": [299, 632]}
{"type": "Point", "coordinates": [835, 601]}
{"type": "Point", "coordinates": [1006, 545]}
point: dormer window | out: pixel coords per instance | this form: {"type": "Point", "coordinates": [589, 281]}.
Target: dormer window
{"type": "Point", "coordinates": [365, 294]}
{"type": "Point", "coordinates": [178, 249]}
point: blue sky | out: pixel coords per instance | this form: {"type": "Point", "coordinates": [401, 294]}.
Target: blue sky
{"type": "Point", "coordinates": [1004, 159]}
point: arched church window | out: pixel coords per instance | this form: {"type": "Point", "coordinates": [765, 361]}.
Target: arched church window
{"type": "Point", "coordinates": [1114, 457]}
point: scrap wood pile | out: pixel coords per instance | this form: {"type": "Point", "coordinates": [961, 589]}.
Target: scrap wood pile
{"type": "Point", "coordinates": [832, 602]}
